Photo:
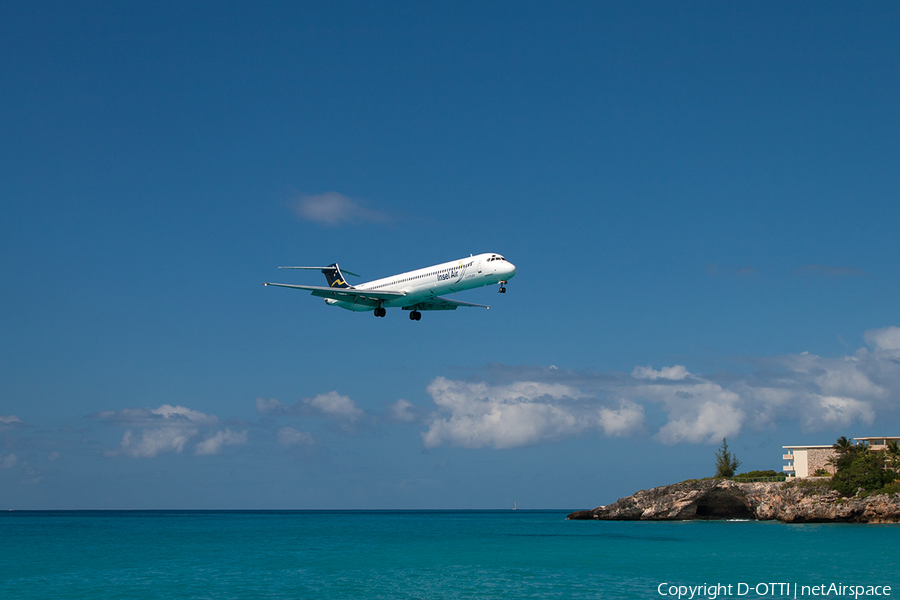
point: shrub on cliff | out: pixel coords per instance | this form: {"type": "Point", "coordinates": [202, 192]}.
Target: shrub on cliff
{"type": "Point", "coordinates": [759, 474]}
{"type": "Point", "coordinates": [858, 467]}
{"type": "Point", "coordinates": [810, 487]}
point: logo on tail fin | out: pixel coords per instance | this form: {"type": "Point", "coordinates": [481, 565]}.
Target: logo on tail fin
{"type": "Point", "coordinates": [334, 276]}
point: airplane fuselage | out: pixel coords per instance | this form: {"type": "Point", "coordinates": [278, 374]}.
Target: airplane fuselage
{"type": "Point", "coordinates": [415, 291]}
{"type": "Point", "coordinates": [445, 278]}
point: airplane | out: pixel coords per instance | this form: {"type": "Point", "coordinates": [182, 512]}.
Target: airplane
{"type": "Point", "coordinates": [414, 291]}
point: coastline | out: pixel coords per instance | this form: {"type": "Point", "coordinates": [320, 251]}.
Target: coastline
{"type": "Point", "coordinates": [711, 499]}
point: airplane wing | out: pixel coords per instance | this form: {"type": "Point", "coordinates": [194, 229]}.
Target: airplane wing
{"type": "Point", "coordinates": [366, 297]}
{"type": "Point", "coordinates": [438, 303]}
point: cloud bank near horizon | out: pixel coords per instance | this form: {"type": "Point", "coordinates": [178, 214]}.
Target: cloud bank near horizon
{"type": "Point", "coordinates": [168, 429]}
{"type": "Point", "coordinates": [546, 404]}
{"type": "Point", "coordinates": [514, 406]}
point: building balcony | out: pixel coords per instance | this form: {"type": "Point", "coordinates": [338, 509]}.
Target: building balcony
{"type": "Point", "coordinates": [787, 457]}
{"type": "Point", "coordinates": [788, 468]}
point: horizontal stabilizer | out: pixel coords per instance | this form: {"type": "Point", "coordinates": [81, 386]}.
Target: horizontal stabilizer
{"type": "Point", "coordinates": [333, 267]}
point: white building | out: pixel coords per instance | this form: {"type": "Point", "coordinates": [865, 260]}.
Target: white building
{"type": "Point", "coordinates": [803, 461]}
{"type": "Point", "coordinates": [877, 443]}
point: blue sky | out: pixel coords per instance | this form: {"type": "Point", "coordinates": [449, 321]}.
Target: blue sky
{"type": "Point", "coordinates": [701, 200]}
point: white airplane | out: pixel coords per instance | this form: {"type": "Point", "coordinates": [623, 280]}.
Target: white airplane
{"type": "Point", "coordinates": [414, 291]}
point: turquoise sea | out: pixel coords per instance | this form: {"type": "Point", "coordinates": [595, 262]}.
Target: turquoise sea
{"type": "Point", "coordinates": [429, 554]}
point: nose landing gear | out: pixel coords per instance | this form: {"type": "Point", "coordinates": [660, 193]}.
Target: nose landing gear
{"type": "Point", "coordinates": [502, 287]}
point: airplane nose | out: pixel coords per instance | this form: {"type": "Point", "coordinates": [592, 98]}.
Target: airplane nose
{"type": "Point", "coordinates": [509, 270]}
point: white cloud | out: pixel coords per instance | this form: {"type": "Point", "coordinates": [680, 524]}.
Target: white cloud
{"type": "Point", "coordinates": [288, 436]}
{"type": "Point", "coordinates": [335, 406]}
{"type": "Point", "coordinates": [152, 442]}
{"type": "Point", "coordinates": [10, 422]}
{"type": "Point", "coordinates": [626, 420]}
{"type": "Point", "coordinates": [164, 416]}
{"type": "Point", "coordinates": [474, 415]}
{"type": "Point", "coordinates": [8, 461]}
{"type": "Point", "coordinates": [332, 208]}
{"type": "Point", "coordinates": [698, 410]}
{"type": "Point", "coordinates": [883, 339]}
{"type": "Point", "coordinates": [168, 429]}
{"type": "Point", "coordinates": [167, 411]}
{"type": "Point", "coordinates": [708, 422]}
{"type": "Point", "coordinates": [270, 406]}
{"type": "Point", "coordinates": [836, 411]}
{"type": "Point", "coordinates": [818, 393]}
{"type": "Point", "coordinates": [675, 373]}
{"type": "Point", "coordinates": [330, 405]}
{"type": "Point", "coordinates": [402, 411]}
{"type": "Point", "coordinates": [214, 444]}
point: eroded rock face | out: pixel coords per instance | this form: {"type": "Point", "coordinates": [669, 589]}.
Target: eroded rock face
{"type": "Point", "coordinates": [723, 499]}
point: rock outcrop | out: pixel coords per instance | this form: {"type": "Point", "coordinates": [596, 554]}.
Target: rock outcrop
{"type": "Point", "coordinates": [724, 499]}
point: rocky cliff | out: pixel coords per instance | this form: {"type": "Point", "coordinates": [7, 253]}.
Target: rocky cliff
{"type": "Point", "coordinates": [723, 499]}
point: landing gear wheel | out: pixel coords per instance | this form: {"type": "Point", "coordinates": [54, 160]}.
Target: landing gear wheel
{"type": "Point", "coordinates": [415, 316]}
{"type": "Point", "coordinates": [380, 311]}
{"type": "Point", "coordinates": [502, 287]}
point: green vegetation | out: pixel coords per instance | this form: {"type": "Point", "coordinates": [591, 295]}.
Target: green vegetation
{"type": "Point", "coordinates": [858, 467]}
{"type": "Point", "coordinates": [843, 444]}
{"type": "Point", "coordinates": [755, 476]}
{"type": "Point", "coordinates": [810, 486]}
{"type": "Point", "coordinates": [891, 488]}
{"type": "Point", "coordinates": [726, 463]}
{"type": "Point", "coordinates": [893, 454]}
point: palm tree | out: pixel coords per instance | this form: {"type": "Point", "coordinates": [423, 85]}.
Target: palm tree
{"type": "Point", "coordinates": [842, 445]}
{"type": "Point", "coordinates": [893, 452]}
{"type": "Point", "coordinates": [846, 452]}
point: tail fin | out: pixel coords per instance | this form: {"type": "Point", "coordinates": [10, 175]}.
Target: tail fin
{"type": "Point", "coordinates": [334, 276]}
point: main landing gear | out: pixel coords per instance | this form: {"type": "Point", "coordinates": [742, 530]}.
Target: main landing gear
{"type": "Point", "coordinates": [414, 315]}
{"type": "Point", "coordinates": [502, 288]}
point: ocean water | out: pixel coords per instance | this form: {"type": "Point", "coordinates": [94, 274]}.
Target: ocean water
{"type": "Point", "coordinates": [429, 554]}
